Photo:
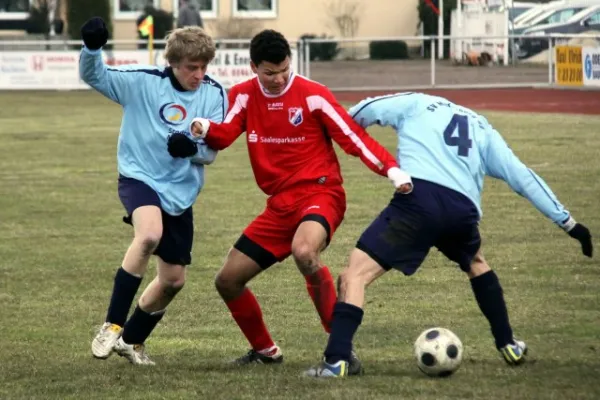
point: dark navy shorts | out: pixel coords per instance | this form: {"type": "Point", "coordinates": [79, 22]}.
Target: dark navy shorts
{"type": "Point", "coordinates": [430, 216]}
{"type": "Point", "coordinates": [175, 246]}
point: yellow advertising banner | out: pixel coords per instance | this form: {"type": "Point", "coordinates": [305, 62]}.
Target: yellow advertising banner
{"type": "Point", "coordinates": [569, 66]}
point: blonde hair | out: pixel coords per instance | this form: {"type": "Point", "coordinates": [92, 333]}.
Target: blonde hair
{"type": "Point", "coordinates": [190, 42]}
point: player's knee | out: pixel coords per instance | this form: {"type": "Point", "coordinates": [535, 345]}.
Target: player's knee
{"type": "Point", "coordinates": [306, 257]}
{"type": "Point", "coordinates": [478, 266]}
{"type": "Point", "coordinates": [148, 241]}
{"type": "Point", "coordinates": [171, 287]}
{"type": "Point", "coordinates": [228, 285]}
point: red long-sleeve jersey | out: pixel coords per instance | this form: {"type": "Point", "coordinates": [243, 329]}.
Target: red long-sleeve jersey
{"type": "Point", "coordinates": [289, 136]}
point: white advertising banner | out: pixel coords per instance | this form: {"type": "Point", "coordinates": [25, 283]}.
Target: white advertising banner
{"type": "Point", "coordinates": [40, 70]}
{"type": "Point", "coordinates": [590, 57]}
{"type": "Point", "coordinates": [59, 70]}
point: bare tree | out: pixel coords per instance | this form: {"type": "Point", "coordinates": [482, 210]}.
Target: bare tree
{"type": "Point", "coordinates": [344, 18]}
{"type": "Point", "coordinates": [236, 28]}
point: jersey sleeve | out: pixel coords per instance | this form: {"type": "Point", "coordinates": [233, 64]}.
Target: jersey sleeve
{"type": "Point", "coordinates": [116, 83]}
{"type": "Point", "coordinates": [351, 137]}
{"type": "Point", "coordinates": [500, 162]}
{"type": "Point", "coordinates": [388, 110]}
{"type": "Point", "coordinates": [222, 135]}
{"type": "Point", "coordinates": [206, 155]}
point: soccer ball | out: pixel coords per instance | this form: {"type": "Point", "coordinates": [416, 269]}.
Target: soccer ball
{"type": "Point", "coordinates": [439, 352]}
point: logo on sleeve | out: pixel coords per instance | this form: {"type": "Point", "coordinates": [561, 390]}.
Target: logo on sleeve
{"type": "Point", "coordinates": [295, 115]}
{"type": "Point", "coordinates": [172, 114]}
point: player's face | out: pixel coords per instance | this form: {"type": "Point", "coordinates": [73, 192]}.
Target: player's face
{"type": "Point", "coordinates": [273, 77]}
{"type": "Point", "coordinates": [190, 73]}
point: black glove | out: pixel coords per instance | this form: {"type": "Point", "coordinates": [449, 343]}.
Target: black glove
{"type": "Point", "coordinates": [181, 146]}
{"type": "Point", "coordinates": [582, 234]}
{"type": "Point", "coordinates": [94, 33]}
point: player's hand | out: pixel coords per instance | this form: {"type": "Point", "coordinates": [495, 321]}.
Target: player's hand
{"type": "Point", "coordinates": [583, 235]}
{"type": "Point", "coordinates": [181, 146]}
{"type": "Point", "coordinates": [401, 180]}
{"type": "Point", "coordinates": [199, 127]}
{"type": "Point", "coordinates": [94, 33]}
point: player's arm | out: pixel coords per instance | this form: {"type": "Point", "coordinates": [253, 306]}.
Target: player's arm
{"type": "Point", "coordinates": [219, 136]}
{"type": "Point", "coordinates": [206, 155]}
{"type": "Point", "coordinates": [354, 140]}
{"type": "Point", "coordinates": [500, 162]}
{"type": "Point", "coordinates": [383, 110]}
{"type": "Point", "coordinates": [114, 83]}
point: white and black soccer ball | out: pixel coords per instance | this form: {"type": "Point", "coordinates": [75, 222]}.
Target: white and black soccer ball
{"type": "Point", "coordinates": [439, 352]}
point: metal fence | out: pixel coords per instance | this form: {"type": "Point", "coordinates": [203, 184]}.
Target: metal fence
{"type": "Point", "coordinates": [355, 71]}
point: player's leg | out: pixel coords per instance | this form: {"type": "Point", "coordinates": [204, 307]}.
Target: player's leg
{"type": "Point", "coordinates": [142, 206]}
{"type": "Point", "coordinates": [320, 216]}
{"type": "Point", "coordinates": [309, 240]}
{"type": "Point", "coordinates": [399, 238]}
{"type": "Point", "coordinates": [490, 298]}
{"type": "Point", "coordinates": [461, 242]}
{"type": "Point", "coordinates": [174, 254]}
{"type": "Point", "coordinates": [264, 242]}
{"type": "Point", "coordinates": [347, 316]}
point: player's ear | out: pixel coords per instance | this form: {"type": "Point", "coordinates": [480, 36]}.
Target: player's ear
{"type": "Point", "coordinates": [253, 67]}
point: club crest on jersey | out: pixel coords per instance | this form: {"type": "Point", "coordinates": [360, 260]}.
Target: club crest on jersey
{"type": "Point", "coordinates": [172, 114]}
{"type": "Point", "coordinates": [295, 115]}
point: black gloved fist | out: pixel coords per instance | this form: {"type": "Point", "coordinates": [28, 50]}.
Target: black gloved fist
{"type": "Point", "coordinates": [582, 234]}
{"type": "Point", "coordinates": [94, 33]}
{"type": "Point", "coordinates": [181, 146]}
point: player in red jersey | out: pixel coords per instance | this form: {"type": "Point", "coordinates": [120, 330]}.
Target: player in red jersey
{"type": "Point", "coordinates": [290, 123]}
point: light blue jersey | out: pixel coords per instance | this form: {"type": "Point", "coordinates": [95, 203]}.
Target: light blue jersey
{"type": "Point", "coordinates": [453, 146]}
{"type": "Point", "coordinates": [154, 107]}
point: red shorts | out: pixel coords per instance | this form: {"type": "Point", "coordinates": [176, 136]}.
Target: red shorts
{"type": "Point", "coordinates": [274, 229]}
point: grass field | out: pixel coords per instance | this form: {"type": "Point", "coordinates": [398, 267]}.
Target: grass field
{"type": "Point", "coordinates": [61, 239]}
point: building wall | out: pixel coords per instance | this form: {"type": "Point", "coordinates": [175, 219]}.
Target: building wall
{"type": "Point", "coordinates": [297, 17]}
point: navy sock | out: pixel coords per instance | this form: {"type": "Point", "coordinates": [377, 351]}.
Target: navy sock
{"type": "Point", "coordinates": [140, 325]}
{"type": "Point", "coordinates": [124, 290]}
{"type": "Point", "coordinates": [346, 320]}
{"type": "Point", "coordinates": [488, 294]}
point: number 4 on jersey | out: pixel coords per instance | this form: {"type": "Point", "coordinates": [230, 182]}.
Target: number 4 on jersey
{"type": "Point", "coordinates": [462, 140]}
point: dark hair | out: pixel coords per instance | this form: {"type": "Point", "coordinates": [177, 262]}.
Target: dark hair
{"type": "Point", "coordinates": [270, 46]}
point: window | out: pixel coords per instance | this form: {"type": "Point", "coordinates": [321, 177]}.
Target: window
{"type": "Point", "coordinates": [131, 9]}
{"type": "Point", "coordinates": [255, 8]}
{"type": "Point", "coordinates": [14, 9]}
{"type": "Point", "coordinates": [208, 8]}
{"type": "Point", "coordinates": [594, 19]}
{"type": "Point", "coordinates": [562, 16]}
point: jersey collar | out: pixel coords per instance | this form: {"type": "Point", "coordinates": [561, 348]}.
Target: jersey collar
{"type": "Point", "coordinates": [269, 95]}
{"type": "Point", "coordinates": [174, 81]}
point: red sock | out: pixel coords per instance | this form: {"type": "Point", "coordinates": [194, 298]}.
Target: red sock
{"type": "Point", "coordinates": [246, 312]}
{"type": "Point", "coordinates": [322, 291]}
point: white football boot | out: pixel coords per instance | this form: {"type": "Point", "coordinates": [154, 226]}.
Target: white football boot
{"type": "Point", "coordinates": [135, 353]}
{"type": "Point", "coordinates": [105, 340]}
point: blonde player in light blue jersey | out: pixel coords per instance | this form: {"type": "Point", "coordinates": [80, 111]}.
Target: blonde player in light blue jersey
{"type": "Point", "coordinates": [447, 150]}
{"type": "Point", "coordinates": [161, 173]}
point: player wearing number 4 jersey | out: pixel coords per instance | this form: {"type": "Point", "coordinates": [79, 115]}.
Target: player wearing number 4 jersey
{"type": "Point", "coordinates": [447, 149]}
{"type": "Point", "coordinates": [290, 123]}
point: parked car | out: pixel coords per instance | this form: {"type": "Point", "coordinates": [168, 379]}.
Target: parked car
{"type": "Point", "coordinates": [534, 12]}
{"type": "Point", "coordinates": [584, 21]}
{"type": "Point", "coordinates": [554, 15]}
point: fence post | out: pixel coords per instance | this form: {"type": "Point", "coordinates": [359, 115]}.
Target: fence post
{"type": "Point", "coordinates": [307, 58]}
{"type": "Point", "coordinates": [550, 61]}
{"type": "Point", "coordinates": [300, 48]}
{"type": "Point", "coordinates": [432, 44]}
